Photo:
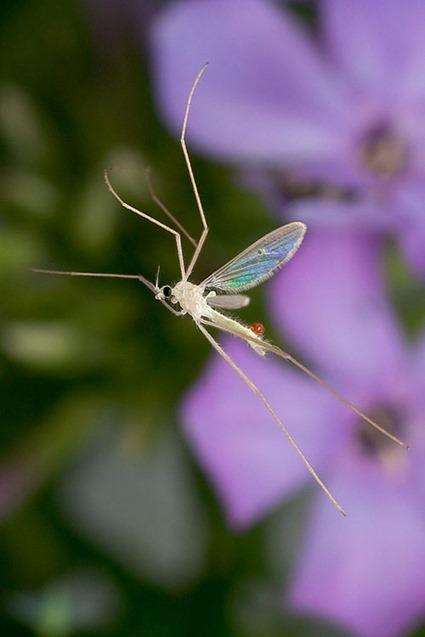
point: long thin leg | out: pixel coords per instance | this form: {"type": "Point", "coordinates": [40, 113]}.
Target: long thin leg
{"type": "Point", "coordinates": [154, 221]}
{"type": "Point", "coordinates": [197, 252]}
{"type": "Point", "coordinates": [164, 208]}
{"type": "Point", "coordinates": [191, 175]}
{"type": "Point", "coordinates": [268, 406]}
{"type": "Point", "coordinates": [277, 351]}
{"type": "Point", "coordinates": [97, 274]}
{"type": "Point", "coordinates": [171, 309]}
{"type": "Point", "coordinates": [106, 275]}
{"type": "Point", "coordinates": [336, 394]}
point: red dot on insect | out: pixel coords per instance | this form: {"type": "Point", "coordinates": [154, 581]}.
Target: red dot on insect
{"type": "Point", "coordinates": [257, 328]}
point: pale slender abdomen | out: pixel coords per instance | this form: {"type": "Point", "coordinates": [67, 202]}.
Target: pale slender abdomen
{"type": "Point", "coordinates": [221, 320]}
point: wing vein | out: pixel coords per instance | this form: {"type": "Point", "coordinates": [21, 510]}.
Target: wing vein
{"type": "Point", "coordinates": [259, 261]}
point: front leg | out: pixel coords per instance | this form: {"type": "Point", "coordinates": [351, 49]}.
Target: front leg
{"type": "Point", "coordinates": [171, 309]}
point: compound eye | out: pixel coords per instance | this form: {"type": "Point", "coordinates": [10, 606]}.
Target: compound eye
{"type": "Point", "coordinates": [167, 291]}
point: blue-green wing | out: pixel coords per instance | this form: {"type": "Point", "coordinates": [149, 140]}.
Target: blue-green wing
{"type": "Point", "coordinates": [258, 262]}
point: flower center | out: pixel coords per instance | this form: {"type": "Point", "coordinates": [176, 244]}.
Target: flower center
{"type": "Point", "coordinates": [375, 445]}
{"type": "Point", "coordinates": [383, 151]}
{"type": "Point", "coordinates": [372, 441]}
{"type": "Point", "coordinates": [294, 188]}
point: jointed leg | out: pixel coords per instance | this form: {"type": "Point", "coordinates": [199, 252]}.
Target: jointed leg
{"type": "Point", "coordinates": [164, 208]}
{"type": "Point", "coordinates": [171, 309]}
{"type": "Point", "coordinates": [191, 175]}
{"type": "Point", "coordinates": [154, 221]}
{"type": "Point", "coordinates": [277, 351]}
{"type": "Point", "coordinates": [268, 406]}
{"type": "Point", "coordinates": [106, 275]}
{"type": "Point", "coordinates": [197, 252]}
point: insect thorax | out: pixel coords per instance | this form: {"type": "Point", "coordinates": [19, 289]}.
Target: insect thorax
{"type": "Point", "coordinates": [191, 299]}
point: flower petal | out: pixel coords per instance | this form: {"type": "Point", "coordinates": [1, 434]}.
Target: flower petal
{"type": "Point", "coordinates": [249, 460]}
{"type": "Point", "coordinates": [416, 416]}
{"type": "Point", "coordinates": [410, 201]}
{"type": "Point", "coordinates": [254, 101]}
{"type": "Point", "coordinates": [331, 302]}
{"type": "Point", "coordinates": [366, 572]}
{"type": "Point", "coordinates": [341, 215]}
{"type": "Point", "coordinates": [412, 244]}
{"type": "Point", "coordinates": [380, 44]}
{"type": "Point", "coordinates": [420, 362]}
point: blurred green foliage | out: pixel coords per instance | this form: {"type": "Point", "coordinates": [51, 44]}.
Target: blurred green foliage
{"type": "Point", "coordinates": [107, 527]}
{"type": "Point", "coordinates": [106, 524]}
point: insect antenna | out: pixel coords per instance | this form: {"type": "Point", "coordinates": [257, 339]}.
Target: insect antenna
{"type": "Point", "coordinates": [157, 277]}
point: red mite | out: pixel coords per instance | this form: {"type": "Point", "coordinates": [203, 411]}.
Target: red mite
{"type": "Point", "coordinates": [257, 328]}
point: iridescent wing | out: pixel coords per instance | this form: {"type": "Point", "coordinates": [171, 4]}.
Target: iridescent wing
{"type": "Point", "coordinates": [258, 262]}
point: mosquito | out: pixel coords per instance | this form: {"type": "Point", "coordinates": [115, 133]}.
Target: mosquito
{"type": "Point", "coordinates": [205, 302]}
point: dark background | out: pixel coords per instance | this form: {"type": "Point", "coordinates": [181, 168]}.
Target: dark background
{"type": "Point", "coordinates": [107, 525]}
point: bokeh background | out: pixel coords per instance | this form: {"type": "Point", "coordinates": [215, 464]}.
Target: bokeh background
{"type": "Point", "coordinates": [108, 523]}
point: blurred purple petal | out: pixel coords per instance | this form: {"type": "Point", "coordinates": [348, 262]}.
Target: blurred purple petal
{"type": "Point", "coordinates": [366, 572]}
{"type": "Point", "coordinates": [412, 245]}
{"type": "Point", "coordinates": [331, 301]}
{"type": "Point", "coordinates": [254, 101]}
{"type": "Point", "coordinates": [352, 119]}
{"type": "Point", "coordinates": [411, 202]}
{"type": "Point", "coordinates": [379, 45]}
{"type": "Point", "coordinates": [420, 360]}
{"type": "Point", "coordinates": [416, 417]}
{"type": "Point", "coordinates": [340, 215]}
{"type": "Point", "coordinates": [241, 447]}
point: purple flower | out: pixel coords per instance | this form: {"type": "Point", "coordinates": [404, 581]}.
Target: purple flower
{"type": "Point", "coordinates": [339, 117]}
{"type": "Point", "coordinates": [365, 572]}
